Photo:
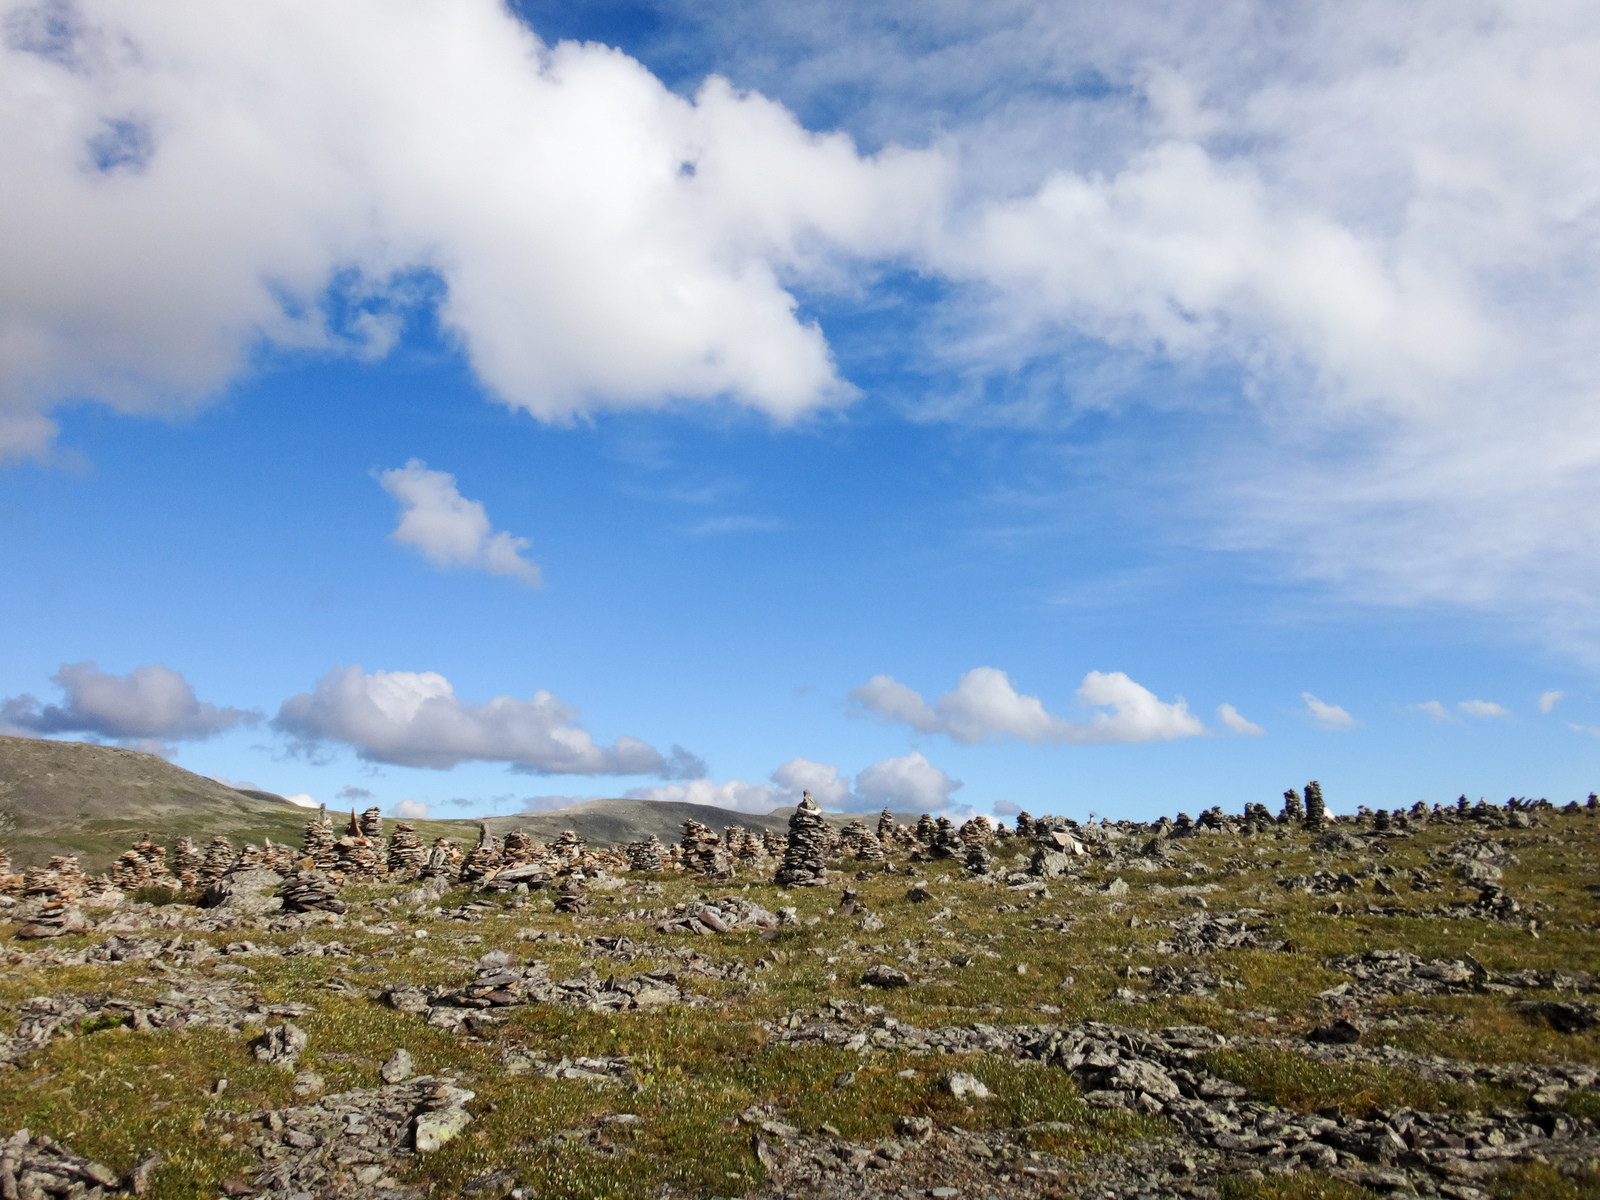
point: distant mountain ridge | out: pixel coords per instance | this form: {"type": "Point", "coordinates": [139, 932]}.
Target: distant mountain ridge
{"type": "Point", "coordinates": [95, 801]}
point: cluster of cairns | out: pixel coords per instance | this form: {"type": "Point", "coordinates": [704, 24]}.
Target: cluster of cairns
{"type": "Point", "coordinates": [326, 860]}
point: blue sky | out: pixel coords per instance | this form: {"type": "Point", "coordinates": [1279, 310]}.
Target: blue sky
{"type": "Point", "coordinates": [828, 424]}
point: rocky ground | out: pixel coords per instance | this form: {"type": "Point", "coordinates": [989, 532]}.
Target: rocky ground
{"type": "Point", "coordinates": [1237, 1007]}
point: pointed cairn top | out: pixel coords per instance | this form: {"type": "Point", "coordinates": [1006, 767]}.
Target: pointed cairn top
{"type": "Point", "coordinates": [809, 804]}
{"type": "Point", "coordinates": [355, 825]}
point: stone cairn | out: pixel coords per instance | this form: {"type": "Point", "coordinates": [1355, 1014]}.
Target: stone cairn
{"type": "Point", "coordinates": [371, 823]}
{"type": "Point", "coordinates": [407, 854]}
{"type": "Point", "coordinates": [774, 843]}
{"type": "Point", "coordinates": [320, 845]}
{"type": "Point", "coordinates": [1024, 824]}
{"type": "Point", "coordinates": [444, 860]}
{"type": "Point", "coordinates": [704, 853]}
{"type": "Point", "coordinates": [886, 826]}
{"type": "Point", "coordinates": [53, 888]}
{"type": "Point", "coordinates": [805, 859]}
{"type": "Point", "coordinates": [976, 832]}
{"type": "Point", "coordinates": [310, 891]}
{"type": "Point", "coordinates": [361, 856]}
{"type": "Point", "coordinates": [926, 829]}
{"type": "Point", "coordinates": [484, 859]}
{"type": "Point", "coordinates": [573, 897]}
{"type": "Point", "coordinates": [219, 857]}
{"type": "Point", "coordinates": [1293, 812]}
{"type": "Point", "coordinates": [946, 842]}
{"type": "Point", "coordinates": [61, 876]}
{"type": "Point", "coordinates": [279, 857]}
{"type": "Point", "coordinates": [751, 851]}
{"type": "Point", "coordinates": [978, 859]}
{"type": "Point", "coordinates": [144, 865]}
{"type": "Point", "coordinates": [519, 848]}
{"type": "Point", "coordinates": [187, 860]}
{"type": "Point", "coordinates": [645, 855]}
{"type": "Point", "coordinates": [863, 843]}
{"type": "Point", "coordinates": [569, 852]}
{"type": "Point", "coordinates": [1316, 810]}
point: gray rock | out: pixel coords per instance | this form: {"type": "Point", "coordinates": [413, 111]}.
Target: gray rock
{"type": "Point", "coordinates": [398, 1068]}
{"type": "Point", "coordinates": [884, 976]}
{"type": "Point", "coordinates": [281, 1046]}
{"type": "Point", "coordinates": [963, 1086]}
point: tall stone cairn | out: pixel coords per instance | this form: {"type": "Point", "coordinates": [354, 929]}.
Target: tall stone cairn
{"type": "Point", "coordinates": [484, 859]}
{"type": "Point", "coordinates": [1293, 811]}
{"type": "Point", "coordinates": [187, 859]}
{"type": "Point", "coordinates": [1316, 810]}
{"type": "Point", "coordinates": [407, 854]}
{"type": "Point", "coordinates": [645, 855]}
{"type": "Point", "coordinates": [219, 857]}
{"type": "Point", "coordinates": [976, 832]}
{"type": "Point", "coordinates": [519, 847]}
{"type": "Point", "coordinates": [320, 844]}
{"type": "Point", "coordinates": [978, 859]}
{"type": "Point", "coordinates": [885, 826]}
{"type": "Point", "coordinates": [1024, 824]}
{"type": "Point", "coordinates": [360, 856]}
{"type": "Point", "coordinates": [372, 824]}
{"type": "Point", "coordinates": [805, 859]}
{"type": "Point", "coordinates": [704, 853]}
{"type": "Point", "coordinates": [61, 876]}
{"type": "Point", "coordinates": [5, 865]}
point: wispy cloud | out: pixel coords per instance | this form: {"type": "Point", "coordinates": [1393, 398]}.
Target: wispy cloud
{"type": "Point", "coordinates": [449, 530]}
{"type": "Point", "coordinates": [1483, 708]}
{"type": "Point", "coordinates": [1547, 700]}
{"type": "Point", "coordinates": [1432, 708]}
{"type": "Point", "coordinates": [1229, 716]}
{"type": "Point", "coordinates": [716, 526]}
{"type": "Point", "coordinates": [1329, 716]}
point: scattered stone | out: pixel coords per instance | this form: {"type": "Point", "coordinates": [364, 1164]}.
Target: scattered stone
{"type": "Point", "coordinates": [962, 1086]}
{"type": "Point", "coordinates": [884, 976]}
{"type": "Point", "coordinates": [399, 1067]}
{"type": "Point", "coordinates": [281, 1046]}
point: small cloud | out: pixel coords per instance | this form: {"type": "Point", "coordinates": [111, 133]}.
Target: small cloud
{"type": "Point", "coordinates": [448, 529]}
{"type": "Point", "coordinates": [1589, 729]}
{"type": "Point", "coordinates": [352, 793]}
{"type": "Point", "coordinates": [1547, 700]}
{"type": "Point", "coordinates": [414, 810]}
{"type": "Point", "coordinates": [1483, 708]}
{"type": "Point", "coordinates": [1329, 716]}
{"type": "Point", "coordinates": [716, 526]}
{"type": "Point", "coordinates": [146, 709]}
{"type": "Point", "coordinates": [302, 800]}
{"type": "Point", "coordinates": [1432, 708]}
{"type": "Point", "coordinates": [461, 801]}
{"type": "Point", "coordinates": [1007, 809]}
{"type": "Point", "coordinates": [1229, 716]}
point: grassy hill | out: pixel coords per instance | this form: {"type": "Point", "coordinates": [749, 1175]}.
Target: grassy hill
{"type": "Point", "coordinates": [95, 801]}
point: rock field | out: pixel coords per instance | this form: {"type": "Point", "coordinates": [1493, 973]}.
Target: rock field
{"type": "Point", "coordinates": [1296, 1005]}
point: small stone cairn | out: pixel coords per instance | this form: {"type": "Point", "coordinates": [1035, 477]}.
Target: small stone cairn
{"type": "Point", "coordinates": [886, 826]}
{"type": "Point", "coordinates": [484, 859]}
{"type": "Point", "coordinates": [704, 853]}
{"type": "Point", "coordinates": [407, 854]}
{"type": "Point", "coordinates": [187, 860]}
{"type": "Point", "coordinates": [219, 857]}
{"type": "Point", "coordinates": [444, 860]}
{"type": "Point", "coordinates": [946, 841]}
{"type": "Point", "coordinates": [863, 843]}
{"type": "Point", "coordinates": [361, 855]}
{"type": "Point", "coordinates": [573, 898]}
{"type": "Point", "coordinates": [645, 855]}
{"type": "Point", "coordinates": [143, 865]}
{"type": "Point", "coordinates": [805, 859]}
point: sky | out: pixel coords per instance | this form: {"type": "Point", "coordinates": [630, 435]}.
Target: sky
{"type": "Point", "coordinates": [1080, 409]}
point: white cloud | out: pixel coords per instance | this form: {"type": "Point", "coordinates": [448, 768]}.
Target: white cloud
{"type": "Point", "coordinates": [985, 706]}
{"type": "Point", "coordinates": [1483, 708]}
{"type": "Point", "coordinates": [1588, 729]}
{"type": "Point", "coordinates": [143, 709]}
{"type": "Point", "coordinates": [1229, 716]}
{"type": "Point", "coordinates": [1547, 700]}
{"type": "Point", "coordinates": [1432, 708]}
{"type": "Point", "coordinates": [304, 800]}
{"type": "Point", "coordinates": [411, 810]}
{"type": "Point", "coordinates": [909, 783]}
{"type": "Point", "coordinates": [1331, 716]}
{"type": "Point", "coordinates": [1007, 808]}
{"type": "Point", "coordinates": [415, 719]}
{"type": "Point", "coordinates": [449, 530]}
{"type": "Point", "coordinates": [602, 241]}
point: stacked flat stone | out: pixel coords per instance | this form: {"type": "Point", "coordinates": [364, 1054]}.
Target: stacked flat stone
{"type": "Point", "coordinates": [250, 858]}
{"type": "Point", "coordinates": [310, 891]}
{"type": "Point", "coordinates": [360, 856]}
{"type": "Point", "coordinates": [753, 852]}
{"type": "Point", "coordinates": [5, 870]}
{"type": "Point", "coordinates": [978, 859]}
{"type": "Point", "coordinates": [573, 897]}
{"type": "Point", "coordinates": [1024, 824]}
{"type": "Point", "coordinates": [280, 857]}
{"type": "Point", "coordinates": [407, 854]}
{"type": "Point", "coordinates": [675, 856]}
{"type": "Point", "coordinates": [444, 860]}
{"type": "Point", "coordinates": [886, 826]}
{"type": "Point", "coordinates": [187, 860]}
{"type": "Point", "coordinates": [484, 859]}
{"type": "Point", "coordinates": [863, 843]}
{"type": "Point", "coordinates": [1316, 810]}
{"type": "Point", "coordinates": [645, 855]}
{"type": "Point", "coordinates": [320, 845]}
{"type": "Point", "coordinates": [1293, 811]}
{"type": "Point", "coordinates": [704, 853]}
{"type": "Point", "coordinates": [805, 859]}
{"type": "Point", "coordinates": [1381, 821]}
{"type": "Point", "coordinates": [926, 829]}
{"type": "Point", "coordinates": [774, 843]}
{"type": "Point", "coordinates": [371, 824]}
{"type": "Point", "coordinates": [976, 832]}
{"type": "Point", "coordinates": [569, 851]}
{"type": "Point", "coordinates": [143, 865]}
{"type": "Point", "coordinates": [55, 917]}
{"type": "Point", "coordinates": [219, 858]}
{"type": "Point", "coordinates": [1183, 826]}
{"type": "Point", "coordinates": [60, 877]}
{"type": "Point", "coordinates": [519, 848]}
{"type": "Point", "coordinates": [946, 842]}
